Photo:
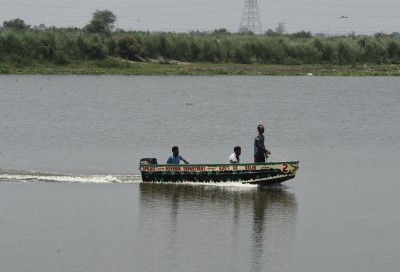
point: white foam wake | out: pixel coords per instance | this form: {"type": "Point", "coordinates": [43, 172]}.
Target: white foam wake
{"type": "Point", "coordinates": [44, 177]}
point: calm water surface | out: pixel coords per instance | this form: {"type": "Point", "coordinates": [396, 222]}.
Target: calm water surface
{"type": "Point", "coordinates": [71, 198]}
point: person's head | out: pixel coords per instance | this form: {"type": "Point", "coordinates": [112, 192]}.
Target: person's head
{"type": "Point", "coordinates": [237, 150]}
{"type": "Point", "coordinates": [260, 129]}
{"type": "Point", "coordinates": [175, 150]}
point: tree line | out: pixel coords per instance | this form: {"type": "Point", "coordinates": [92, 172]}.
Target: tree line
{"type": "Point", "coordinates": [22, 45]}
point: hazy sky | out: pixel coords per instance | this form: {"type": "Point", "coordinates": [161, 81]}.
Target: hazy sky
{"type": "Point", "coordinates": [317, 16]}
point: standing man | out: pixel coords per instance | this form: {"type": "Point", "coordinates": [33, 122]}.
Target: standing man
{"type": "Point", "coordinates": [175, 158]}
{"type": "Point", "coordinates": [234, 158]}
{"type": "Point", "coordinates": [260, 152]}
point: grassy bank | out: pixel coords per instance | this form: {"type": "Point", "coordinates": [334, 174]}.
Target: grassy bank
{"type": "Point", "coordinates": [183, 68]}
{"type": "Point", "coordinates": [75, 51]}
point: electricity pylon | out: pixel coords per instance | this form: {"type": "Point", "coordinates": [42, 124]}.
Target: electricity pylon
{"type": "Point", "coordinates": [251, 18]}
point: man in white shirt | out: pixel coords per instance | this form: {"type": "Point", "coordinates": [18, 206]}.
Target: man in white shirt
{"type": "Point", "coordinates": [234, 158]}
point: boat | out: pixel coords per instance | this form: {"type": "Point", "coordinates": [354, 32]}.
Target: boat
{"type": "Point", "coordinates": [246, 173]}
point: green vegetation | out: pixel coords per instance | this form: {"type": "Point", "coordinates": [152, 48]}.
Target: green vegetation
{"type": "Point", "coordinates": [102, 22]}
{"type": "Point", "coordinates": [97, 49]}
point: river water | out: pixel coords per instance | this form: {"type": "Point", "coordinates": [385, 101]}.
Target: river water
{"type": "Point", "coordinates": [71, 197]}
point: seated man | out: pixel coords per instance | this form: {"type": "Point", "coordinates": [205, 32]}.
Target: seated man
{"type": "Point", "coordinates": [175, 158]}
{"type": "Point", "coordinates": [234, 158]}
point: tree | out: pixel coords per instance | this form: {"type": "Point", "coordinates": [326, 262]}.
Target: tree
{"type": "Point", "coordinates": [243, 29]}
{"type": "Point", "coordinates": [280, 29]}
{"type": "Point", "coordinates": [16, 24]}
{"type": "Point", "coordinates": [221, 31]}
{"type": "Point", "coordinates": [102, 22]}
{"type": "Point", "coordinates": [128, 47]}
{"type": "Point", "coordinates": [301, 34]}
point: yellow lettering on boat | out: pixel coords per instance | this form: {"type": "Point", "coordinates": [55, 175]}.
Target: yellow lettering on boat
{"type": "Point", "coordinates": [172, 168]}
{"type": "Point", "coordinates": [194, 168]}
{"type": "Point", "coordinates": [224, 168]}
{"type": "Point", "coordinates": [148, 168]}
{"type": "Point", "coordinates": [250, 167]}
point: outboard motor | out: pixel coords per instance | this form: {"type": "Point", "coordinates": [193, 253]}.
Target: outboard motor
{"type": "Point", "coordinates": [148, 161]}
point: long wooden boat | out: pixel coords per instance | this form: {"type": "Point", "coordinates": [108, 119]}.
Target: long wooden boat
{"type": "Point", "coordinates": [260, 173]}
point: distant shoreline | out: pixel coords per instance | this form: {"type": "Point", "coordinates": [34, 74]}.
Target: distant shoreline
{"type": "Point", "coordinates": [83, 52]}
{"type": "Point", "coordinates": [198, 69]}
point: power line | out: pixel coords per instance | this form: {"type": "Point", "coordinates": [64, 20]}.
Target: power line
{"type": "Point", "coordinates": [335, 5]}
{"type": "Point", "coordinates": [329, 14]}
{"type": "Point", "coordinates": [119, 7]}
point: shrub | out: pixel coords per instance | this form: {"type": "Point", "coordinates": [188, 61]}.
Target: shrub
{"type": "Point", "coordinates": [128, 47]}
{"type": "Point", "coordinates": [393, 51]}
{"type": "Point", "coordinates": [346, 52]}
{"type": "Point", "coordinates": [372, 50]}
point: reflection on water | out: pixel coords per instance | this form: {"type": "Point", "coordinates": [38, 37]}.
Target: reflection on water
{"type": "Point", "coordinates": [274, 210]}
{"type": "Point", "coordinates": [260, 221]}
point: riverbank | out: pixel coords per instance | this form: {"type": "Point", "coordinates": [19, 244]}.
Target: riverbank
{"type": "Point", "coordinates": [114, 67]}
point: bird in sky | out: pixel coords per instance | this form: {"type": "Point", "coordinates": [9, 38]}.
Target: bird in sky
{"type": "Point", "coordinates": [343, 17]}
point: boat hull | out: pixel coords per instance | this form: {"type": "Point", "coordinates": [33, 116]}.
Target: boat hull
{"type": "Point", "coordinates": [260, 173]}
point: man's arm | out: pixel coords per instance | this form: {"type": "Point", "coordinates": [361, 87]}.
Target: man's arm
{"type": "Point", "coordinates": [185, 161]}
{"type": "Point", "coordinates": [266, 151]}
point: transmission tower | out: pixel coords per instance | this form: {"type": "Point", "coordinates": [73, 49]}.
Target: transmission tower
{"type": "Point", "coordinates": [251, 18]}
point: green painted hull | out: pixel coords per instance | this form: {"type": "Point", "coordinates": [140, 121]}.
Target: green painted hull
{"type": "Point", "coordinates": [260, 173]}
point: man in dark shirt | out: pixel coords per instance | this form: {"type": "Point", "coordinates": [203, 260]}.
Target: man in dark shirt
{"type": "Point", "coordinates": [260, 152]}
